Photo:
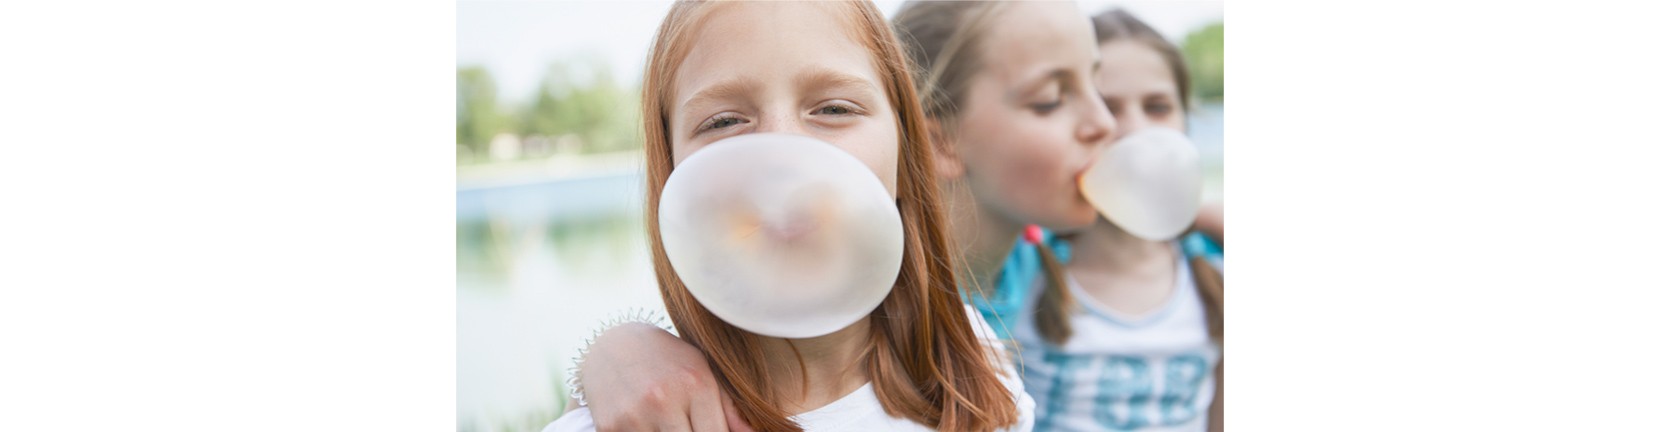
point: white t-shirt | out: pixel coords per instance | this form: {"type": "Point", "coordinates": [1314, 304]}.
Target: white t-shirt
{"type": "Point", "coordinates": [1123, 372]}
{"type": "Point", "coordinates": [861, 410]}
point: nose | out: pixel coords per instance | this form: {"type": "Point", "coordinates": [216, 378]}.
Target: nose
{"type": "Point", "coordinates": [782, 123]}
{"type": "Point", "coordinates": [1096, 125]}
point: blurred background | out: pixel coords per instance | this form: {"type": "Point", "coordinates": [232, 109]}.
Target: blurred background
{"type": "Point", "coordinates": [548, 183]}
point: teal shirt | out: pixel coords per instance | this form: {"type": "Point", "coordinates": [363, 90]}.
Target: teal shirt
{"type": "Point", "coordinates": [1003, 305]}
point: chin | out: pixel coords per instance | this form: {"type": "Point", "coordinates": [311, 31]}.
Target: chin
{"type": "Point", "coordinates": [1073, 221]}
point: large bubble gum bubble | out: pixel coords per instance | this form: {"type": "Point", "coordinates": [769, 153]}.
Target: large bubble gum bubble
{"type": "Point", "coordinates": [781, 235]}
{"type": "Point", "coordinates": [1149, 183]}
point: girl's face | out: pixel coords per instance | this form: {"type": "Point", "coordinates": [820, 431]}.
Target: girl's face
{"type": "Point", "coordinates": [1137, 86]}
{"type": "Point", "coordinates": [1031, 121]}
{"type": "Point", "coordinates": [783, 67]}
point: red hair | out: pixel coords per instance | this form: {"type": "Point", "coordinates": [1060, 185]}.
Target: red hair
{"type": "Point", "coordinates": [923, 357]}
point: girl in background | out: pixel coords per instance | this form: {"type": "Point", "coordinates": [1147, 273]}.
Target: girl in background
{"type": "Point", "coordinates": [1010, 88]}
{"type": "Point", "coordinates": [1127, 336]}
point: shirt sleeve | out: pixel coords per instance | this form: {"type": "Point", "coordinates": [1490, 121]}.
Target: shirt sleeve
{"type": "Point", "coordinates": [1024, 404]}
{"type": "Point", "coordinates": [1198, 245]}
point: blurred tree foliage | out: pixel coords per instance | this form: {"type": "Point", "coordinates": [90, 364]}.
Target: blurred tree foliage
{"type": "Point", "coordinates": [578, 107]}
{"type": "Point", "coordinates": [594, 108]}
{"type": "Point", "coordinates": [478, 116]}
{"type": "Point", "coordinates": [1204, 50]}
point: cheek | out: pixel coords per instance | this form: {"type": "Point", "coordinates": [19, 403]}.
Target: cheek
{"type": "Point", "coordinates": [885, 166]}
{"type": "Point", "coordinates": [680, 149]}
{"type": "Point", "coordinates": [876, 145]}
{"type": "Point", "coordinates": [1020, 151]}
{"type": "Point", "coordinates": [1021, 167]}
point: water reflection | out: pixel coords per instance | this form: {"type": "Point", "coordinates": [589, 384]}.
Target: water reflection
{"type": "Point", "coordinates": [537, 265]}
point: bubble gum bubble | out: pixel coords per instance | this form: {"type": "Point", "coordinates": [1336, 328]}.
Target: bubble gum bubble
{"type": "Point", "coordinates": [781, 235]}
{"type": "Point", "coordinates": [1148, 183]}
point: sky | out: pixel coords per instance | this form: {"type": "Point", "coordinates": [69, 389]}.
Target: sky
{"type": "Point", "coordinates": [518, 40]}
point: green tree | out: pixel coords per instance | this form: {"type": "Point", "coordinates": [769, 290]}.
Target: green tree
{"type": "Point", "coordinates": [1204, 50]}
{"type": "Point", "coordinates": [478, 116]}
{"type": "Point", "coordinates": [597, 110]}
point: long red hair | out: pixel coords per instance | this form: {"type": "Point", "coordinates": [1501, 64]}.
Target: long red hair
{"type": "Point", "coordinates": [923, 357]}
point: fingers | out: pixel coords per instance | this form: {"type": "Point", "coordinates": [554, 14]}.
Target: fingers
{"type": "Point", "coordinates": [672, 415]}
{"type": "Point", "coordinates": [731, 415]}
{"type": "Point", "coordinates": [706, 412]}
{"type": "Point", "coordinates": [675, 423]}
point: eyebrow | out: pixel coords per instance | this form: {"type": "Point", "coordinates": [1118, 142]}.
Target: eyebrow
{"type": "Point", "coordinates": [1058, 74]}
{"type": "Point", "coordinates": [810, 79]}
{"type": "Point", "coordinates": [822, 78]}
{"type": "Point", "coordinates": [728, 89]}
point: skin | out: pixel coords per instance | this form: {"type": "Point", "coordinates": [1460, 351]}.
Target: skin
{"type": "Point", "coordinates": [1211, 221]}
{"type": "Point", "coordinates": [1123, 272]}
{"type": "Point", "coordinates": [1126, 273]}
{"type": "Point", "coordinates": [1151, 99]}
{"type": "Point", "coordinates": [754, 68]}
{"type": "Point", "coordinates": [1030, 125]}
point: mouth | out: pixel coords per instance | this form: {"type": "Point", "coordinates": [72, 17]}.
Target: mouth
{"type": "Point", "coordinates": [1079, 175]}
{"type": "Point", "coordinates": [1090, 161]}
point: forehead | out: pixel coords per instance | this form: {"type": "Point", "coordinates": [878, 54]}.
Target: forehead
{"type": "Point", "coordinates": [1026, 37]}
{"type": "Point", "coordinates": [768, 41]}
{"type": "Point", "coordinates": [1132, 64]}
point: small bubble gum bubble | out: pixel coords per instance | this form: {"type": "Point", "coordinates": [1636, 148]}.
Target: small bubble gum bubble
{"type": "Point", "coordinates": [1149, 183]}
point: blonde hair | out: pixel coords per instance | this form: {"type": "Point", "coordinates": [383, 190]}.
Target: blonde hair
{"type": "Point", "coordinates": [943, 38]}
{"type": "Point", "coordinates": [923, 357]}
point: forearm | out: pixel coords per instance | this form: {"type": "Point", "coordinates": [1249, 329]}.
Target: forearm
{"type": "Point", "coordinates": [635, 376]}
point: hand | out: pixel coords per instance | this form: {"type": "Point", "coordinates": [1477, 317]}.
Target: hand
{"type": "Point", "coordinates": [637, 377]}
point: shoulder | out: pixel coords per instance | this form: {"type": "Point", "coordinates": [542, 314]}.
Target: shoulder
{"type": "Point", "coordinates": [1197, 245]}
{"type": "Point", "coordinates": [1025, 407]}
{"type": "Point", "coordinates": [577, 420]}
{"type": "Point", "coordinates": [1007, 297]}
{"type": "Point", "coordinates": [982, 330]}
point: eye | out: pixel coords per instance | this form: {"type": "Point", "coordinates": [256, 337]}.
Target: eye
{"type": "Point", "coordinates": [839, 108]}
{"type": "Point", "coordinates": [1048, 97]}
{"type": "Point", "coordinates": [1047, 107]}
{"type": "Point", "coordinates": [1158, 109]}
{"type": "Point", "coordinates": [721, 121]}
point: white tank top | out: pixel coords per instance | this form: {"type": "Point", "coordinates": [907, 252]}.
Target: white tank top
{"type": "Point", "coordinates": [1122, 372]}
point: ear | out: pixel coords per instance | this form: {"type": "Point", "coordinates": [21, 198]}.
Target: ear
{"type": "Point", "coordinates": [946, 163]}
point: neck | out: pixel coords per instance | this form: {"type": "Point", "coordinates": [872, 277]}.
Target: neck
{"type": "Point", "coordinates": [984, 237]}
{"type": "Point", "coordinates": [807, 374]}
{"type": "Point", "coordinates": [1106, 248]}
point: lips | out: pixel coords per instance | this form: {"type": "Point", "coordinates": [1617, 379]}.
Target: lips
{"type": "Point", "coordinates": [1079, 176]}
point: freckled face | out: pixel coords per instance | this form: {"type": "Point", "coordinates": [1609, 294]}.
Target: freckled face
{"type": "Point", "coordinates": [783, 67]}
